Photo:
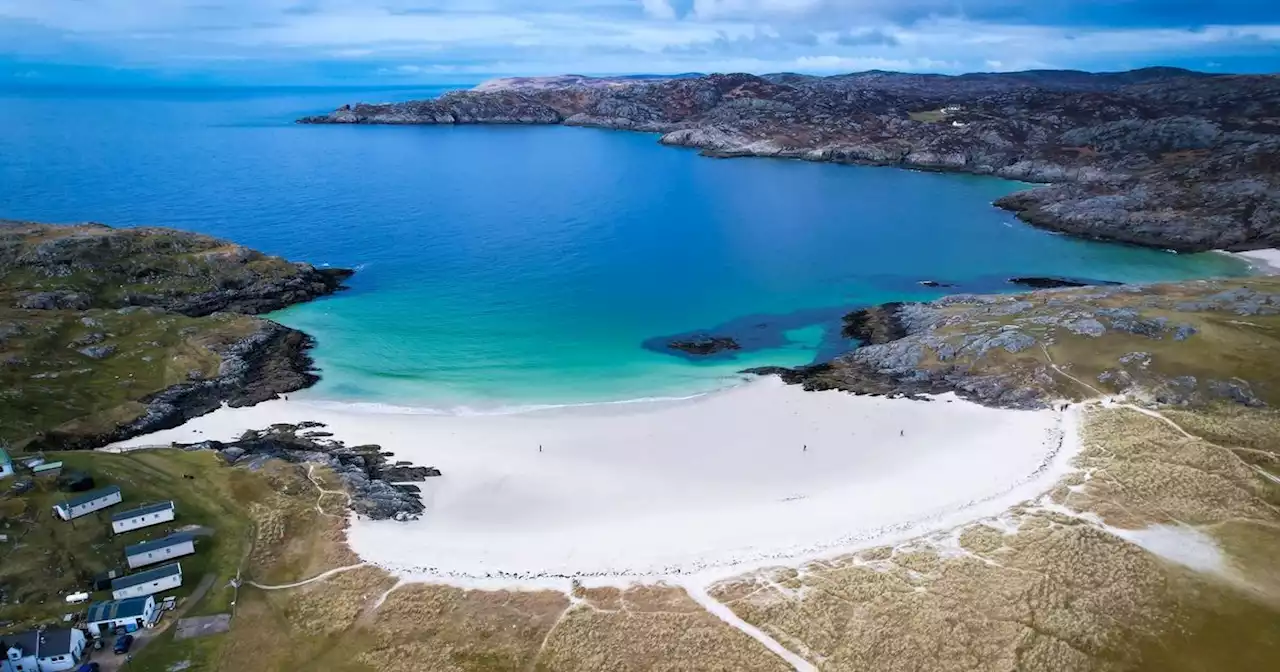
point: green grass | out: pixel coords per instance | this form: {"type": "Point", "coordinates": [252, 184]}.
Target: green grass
{"type": "Point", "coordinates": [49, 385]}
{"type": "Point", "coordinates": [54, 558]}
{"type": "Point", "coordinates": [200, 653]}
{"type": "Point", "coordinates": [929, 116]}
{"type": "Point", "coordinates": [46, 385]}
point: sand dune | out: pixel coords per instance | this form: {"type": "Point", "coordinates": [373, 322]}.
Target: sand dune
{"type": "Point", "coordinates": [756, 474]}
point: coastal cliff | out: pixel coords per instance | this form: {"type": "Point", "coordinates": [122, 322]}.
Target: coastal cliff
{"type": "Point", "coordinates": [107, 334]}
{"type": "Point", "coordinates": [1160, 157]}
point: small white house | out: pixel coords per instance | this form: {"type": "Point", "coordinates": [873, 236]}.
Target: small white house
{"type": "Point", "coordinates": [105, 617]}
{"type": "Point", "coordinates": [51, 650]}
{"type": "Point", "coordinates": [173, 546]}
{"type": "Point", "coordinates": [87, 503]}
{"type": "Point", "coordinates": [145, 516]}
{"type": "Point", "coordinates": [150, 582]}
{"type": "Point", "coordinates": [6, 464]}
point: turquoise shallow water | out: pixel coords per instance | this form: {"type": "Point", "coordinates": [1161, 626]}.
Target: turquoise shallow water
{"type": "Point", "coordinates": [506, 266]}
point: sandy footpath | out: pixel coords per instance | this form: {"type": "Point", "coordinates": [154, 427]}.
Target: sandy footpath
{"type": "Point", "coordinates": [755, 474]}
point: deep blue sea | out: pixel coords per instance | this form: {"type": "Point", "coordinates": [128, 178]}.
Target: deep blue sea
{"type": "Point", "coordinates": [504, 266]}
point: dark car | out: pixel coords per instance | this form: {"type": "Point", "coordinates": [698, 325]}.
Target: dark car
{"type": "Point", "coordinates": [123, 642]}
{"type": "Point", "coordinates": [89, 667]}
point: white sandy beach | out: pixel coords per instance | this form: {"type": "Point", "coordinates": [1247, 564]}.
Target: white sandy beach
{"type": "Point", "coordinates": [1265, 261]}
{"type": "Point", "coordinates": [716, 483]}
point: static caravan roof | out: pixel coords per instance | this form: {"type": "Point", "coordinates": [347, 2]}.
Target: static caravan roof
{"type": "Point", "coordinates": [41, 468]}
{"type": "Point", "coordinates": [157, 544]}
{"type": "Point", "coordinates": [51, 642]}
{"type": "Point", "coordinates": [142, 511]}
{"type": "Point", "coordinates": [149, 575]}
{"type": "Point", "coordinates": [134, 607]}
{"type": "Point", "coordinates": [92, 495]}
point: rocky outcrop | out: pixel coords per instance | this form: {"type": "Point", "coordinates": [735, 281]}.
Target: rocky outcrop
{"type": "Point", "coordinates": [1039, 282]}
{"type": "Point", "coordinates": [462, 107]}
{"type": "Point", "coordinates": [48, 267]}
{"type": "Point", "coordinates": [379, 489]}
{"type": "Point", "coordinates": [704, 345]}
{"type": "Point", "coordinates": [1005, 350]}
{"type": "Point", "coordinates": [1160, 156]}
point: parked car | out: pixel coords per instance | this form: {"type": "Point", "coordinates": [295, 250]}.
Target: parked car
{"type": "Point", "coordinates": [89, 667]}
{"type": "Point", "coordinates": [123, 642]}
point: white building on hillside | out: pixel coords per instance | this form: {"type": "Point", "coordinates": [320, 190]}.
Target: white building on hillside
{"type": "Point", "coordinates": [173, 546]}
{"type": "Point", "coordinates": [87, 503]}
{"type": "Point", "coordinates": [51, 650]}
{"type": "Point", "coordinates": [150, 582]}
{"type": "Point", "coordinates": [105, 617]}
{"type": "Point", "coordinates": [145, 516]}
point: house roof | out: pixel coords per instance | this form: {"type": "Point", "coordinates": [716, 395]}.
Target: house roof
{"type": "Point", "coordinates": [143, 510]}
{"type": "Point", "coordinates": [51, 642]}
{"type": "Point", "coordinates": [143, 577]}
{"type": "Point", "coordinates": [133, 607]}
{"type": "Point", "coordinates": [157, 544]}
{"type": "Point", "coordinates": [91, 496]}
{"type": "Point", "coordinates": [4, 457]}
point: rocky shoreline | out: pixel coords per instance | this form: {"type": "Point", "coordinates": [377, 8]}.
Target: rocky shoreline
{"type": "Point", "coordinates": [93, 320]}
{"type": "Point", "coordinates": [1159, 157]}
{"type": "Point", "coordinates": [379, 489]}
{"type": "Point", "coordinates": [1032, 350]}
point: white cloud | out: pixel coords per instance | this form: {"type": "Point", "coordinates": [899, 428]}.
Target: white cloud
{"type": "Point", "coordinates": [659, 9]}
{"type": "Point", "coordinates": [542, 36]}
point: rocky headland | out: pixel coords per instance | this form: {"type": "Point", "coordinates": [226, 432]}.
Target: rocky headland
{"type": "Point", "coordinates": [107, 334]}
{"type": "Point", "coordinates": [379, 489]}
{"type": "Point", "coordinates": [1161, 156]}
{"type": "Point", "coordinates": [1190, 343]}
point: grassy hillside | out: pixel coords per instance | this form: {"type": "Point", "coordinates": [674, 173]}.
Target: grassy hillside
{"type": "Point", "coordinates": [95, 322]}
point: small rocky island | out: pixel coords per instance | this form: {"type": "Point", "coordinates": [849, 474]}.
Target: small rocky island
{"type": "Point", "coordinates": [703, 345]}
{"type": "Point", "coordinates": [107, 333]}
{"type": "Point", "coordinates": [1163, 157]}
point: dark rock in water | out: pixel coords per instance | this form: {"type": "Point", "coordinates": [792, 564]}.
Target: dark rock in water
{"type": "Point", "coordinates": [800, 375]}
{"type": "Point", "coordinates": [705, 345]}
{"type": "Point", "coordinates": [1035, 282]}
{"type": "Point", "coordinates": [935, 283]}
{"type": "Point", "coordinates": [878, 324]}
{"type": "Point", "coordinates": [376, 486]}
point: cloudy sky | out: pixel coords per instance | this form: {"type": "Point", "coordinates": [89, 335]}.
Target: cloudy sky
{"type": "Point", "coordinates": [415, 41]}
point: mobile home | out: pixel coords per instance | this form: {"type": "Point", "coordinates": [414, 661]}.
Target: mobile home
{"type": "Point", "coordinates": [144, 516]}
{"type": "Point", "coordinates": [83, 505]}
{"type": "Point", "coordinates": [159, 550]}
{"type": "Point", "coordinates": [150, 582]}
